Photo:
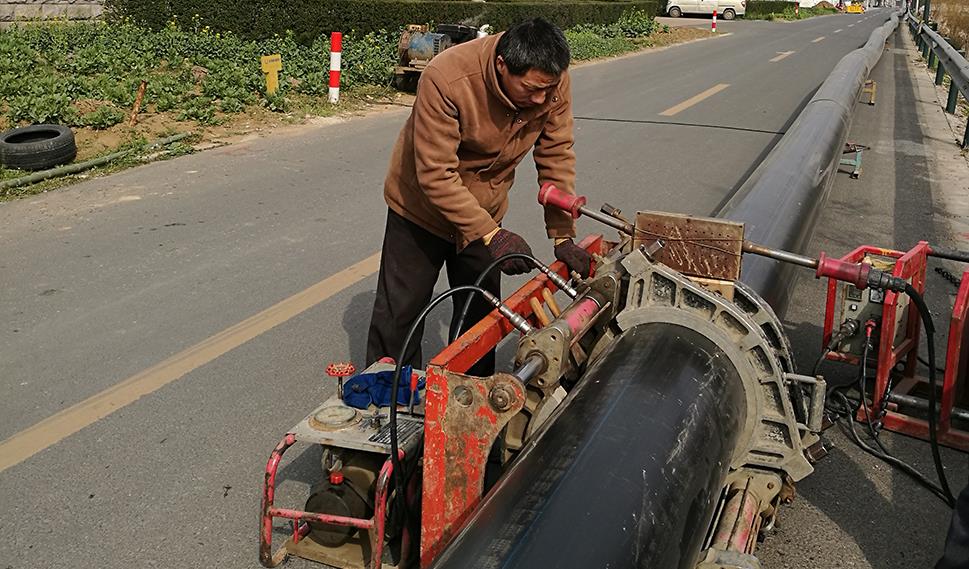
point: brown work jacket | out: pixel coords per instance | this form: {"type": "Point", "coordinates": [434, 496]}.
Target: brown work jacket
{"type": "Point", "coordinates": [455, 159]}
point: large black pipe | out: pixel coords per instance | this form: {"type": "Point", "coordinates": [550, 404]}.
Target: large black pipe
{"type": "Point", "coordinates": [630, 473]}
{"type": "Point", "coordinates": [780, 203]}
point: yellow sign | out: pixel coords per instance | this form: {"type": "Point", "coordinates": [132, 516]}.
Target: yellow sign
{"type": "Point", "coordinates": [855, 9]}
{"type": "Point", "coordinates": [271, 64]}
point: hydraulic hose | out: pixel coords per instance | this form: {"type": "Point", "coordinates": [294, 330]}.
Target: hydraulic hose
{"type": "Point", "coordinates": [926, 317]}
{"type": "Point", "coordinates": [559, 282]}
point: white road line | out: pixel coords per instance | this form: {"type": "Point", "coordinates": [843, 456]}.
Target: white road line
{"type": "Point", "coordinates": [694, 100]}
{"type": "Point", "coordinates": [816, 40]}
{"type": "Point", "coordinates": [851, 25]}
{"type": "Point", "coordinates": [781, 55]}
{"type": "Point", "coordinates": [838, 31]}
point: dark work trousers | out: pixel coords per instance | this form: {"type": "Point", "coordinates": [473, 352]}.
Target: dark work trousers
{"type": "Point", "coordinates": [956, 554]}
{"type": "Point", "coordinates": [410, 263]}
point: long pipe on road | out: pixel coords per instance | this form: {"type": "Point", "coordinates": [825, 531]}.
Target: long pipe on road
{"type": "Point", "coordinates": [628, 472]}
{"type": "Point", "coordinates": [782, 200]}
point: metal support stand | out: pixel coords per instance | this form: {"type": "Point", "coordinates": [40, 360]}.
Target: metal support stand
{"type": "Point", "coordinates": [855, 161]}
{"type": "Point", "coordinates": [871, 88]}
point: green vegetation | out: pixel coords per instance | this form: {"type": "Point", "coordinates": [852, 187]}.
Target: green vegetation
{"type": "Point", "coordinates": [630, 32]}
{"type": "Point", "coordinates": [311, 19]}
{"type": "Point", "coordinates": [777, 10]}
{"type": "Point", "coordinates": [87, 74]}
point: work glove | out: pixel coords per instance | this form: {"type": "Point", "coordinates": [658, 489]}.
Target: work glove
{"type": "Point", "coordinates": [577, 258]}
{"type": "Point", "coordinates": [504, 242]}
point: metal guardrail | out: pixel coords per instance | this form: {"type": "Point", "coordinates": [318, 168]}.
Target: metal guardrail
{"type": "Point", "coordinates": [946, 60]}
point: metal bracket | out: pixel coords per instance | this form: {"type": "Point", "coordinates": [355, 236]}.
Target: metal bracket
{"type": "Point", "coordinates": [463, 416]}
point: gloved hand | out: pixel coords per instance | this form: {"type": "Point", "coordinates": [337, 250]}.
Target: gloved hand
{"type": "Point", "coordinates": [577, 258]}
{"type": "Point", "coordinates": [504, 242]}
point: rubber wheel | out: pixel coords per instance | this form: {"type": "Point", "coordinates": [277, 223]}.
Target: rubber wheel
{"type": "Point", "coordinates": [729, 14]}
{"type": "Point", "coordinates": [37, 147]}
{"type": "Point", "coordinates": [675, 12]}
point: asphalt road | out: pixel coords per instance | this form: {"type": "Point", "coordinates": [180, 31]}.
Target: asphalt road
{"type": "Point", "coordinates": [140, 288]}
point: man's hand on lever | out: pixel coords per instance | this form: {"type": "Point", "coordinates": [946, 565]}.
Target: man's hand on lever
{"type": "Point", "coordinates": [577, 258]}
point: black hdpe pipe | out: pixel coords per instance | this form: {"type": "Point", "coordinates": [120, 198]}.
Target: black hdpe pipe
{"type": "Point", "coordinates": [781, 202]}
{"type": "Point", "coordinates": [629, 471]}
{"type": "Point", "coordinates": [630, 476]}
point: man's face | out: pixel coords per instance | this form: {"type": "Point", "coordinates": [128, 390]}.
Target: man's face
{"type": "Point", "coordinates": [529, 89]}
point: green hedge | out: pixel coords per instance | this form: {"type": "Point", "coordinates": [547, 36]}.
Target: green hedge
{"type": "Point", "coordinates": [762, 8]}
{"type": "Point", "coordinates": [309, 19]}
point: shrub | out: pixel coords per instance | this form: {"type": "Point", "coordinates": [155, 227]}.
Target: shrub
{"type": "Point", "coordinates": [308, 20]}
{"type": "Point", "coordinates": [764, 8]}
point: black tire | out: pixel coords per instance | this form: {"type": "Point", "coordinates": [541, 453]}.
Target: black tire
{"type": "Point", "coordinates": [729, 14]}
{"type": "Point", "coordinates": [675, 12]}
{"type": "Point", "coordinates": [37, 147]}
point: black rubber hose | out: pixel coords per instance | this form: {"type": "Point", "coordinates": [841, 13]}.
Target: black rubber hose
{"type": "Point", "coordinates": [481, 277]}
{"type": "Point", "coordinates": [395, 384]}
{"type": "Point", "coordinates": [926, 317]}
{"type": "Point", "coordinates": [951, 254]}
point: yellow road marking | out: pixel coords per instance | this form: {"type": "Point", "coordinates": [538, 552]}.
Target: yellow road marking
{"type": "Point", "coordinates": [694, 100]}
{"type": "Point", "coordinates": [816, 40]}
{"type": "Point", "coordinates": [781, 55]}
{"type": "Point", "coordinates": [59, 426]}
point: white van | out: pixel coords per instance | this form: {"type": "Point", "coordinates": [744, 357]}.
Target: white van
{"type": "Point", "coordinates": [726, 9]}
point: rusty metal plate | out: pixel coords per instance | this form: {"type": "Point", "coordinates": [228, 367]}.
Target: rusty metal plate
{"type": "Point", "coordinates": [697, 246]}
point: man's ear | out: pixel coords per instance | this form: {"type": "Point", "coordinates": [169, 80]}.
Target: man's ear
{"type": "Point", "coordinates": [500, 65]}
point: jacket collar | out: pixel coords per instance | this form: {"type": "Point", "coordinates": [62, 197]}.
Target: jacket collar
{"type": "Point", "coordinates": [490, 72]}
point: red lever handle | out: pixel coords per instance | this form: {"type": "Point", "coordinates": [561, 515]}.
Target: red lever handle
{"type": "Point", "coordinates": [549, 195]}
{"type": "Point", "coordinates": [854, 273]}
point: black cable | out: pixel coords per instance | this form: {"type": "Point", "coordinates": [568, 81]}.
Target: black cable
{"type": "Point", "coordinates": [395, 384]}
{"type": "Point", "coordinates": [926, 317]}
{"type": "Point", "coordinates": [926, 363]}
{"type": "Point", "coordinates": [456, 331]}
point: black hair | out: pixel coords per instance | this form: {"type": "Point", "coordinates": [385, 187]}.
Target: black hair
{"type": "Point", "coordinates": [534, 44]}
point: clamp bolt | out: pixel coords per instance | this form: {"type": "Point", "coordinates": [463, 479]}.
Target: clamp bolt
{"type": "Point", "coordinates": [500, 398]}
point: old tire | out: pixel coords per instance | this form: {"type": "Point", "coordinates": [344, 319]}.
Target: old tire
{"type": "Point", "coordinates": [37, 147]}
{"type": "Point", "coordinates": [675, 12]}
{"type": "Point", "coordinates": [729, 14]}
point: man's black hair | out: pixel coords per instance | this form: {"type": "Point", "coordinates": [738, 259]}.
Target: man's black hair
{"type": "Point", "coordinates": [534, 44]}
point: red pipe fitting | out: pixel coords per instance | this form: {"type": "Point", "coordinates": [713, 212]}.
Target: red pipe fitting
{"type": "Point", "coordinates": [854, 273]}
{"type": "Point", "coordinates": [548, 194]}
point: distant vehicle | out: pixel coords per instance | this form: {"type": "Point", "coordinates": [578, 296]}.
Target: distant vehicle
{"type": "Point", "coordinates": [726, 9]}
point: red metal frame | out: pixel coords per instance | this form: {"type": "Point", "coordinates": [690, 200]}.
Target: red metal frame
{"type": "Point", "coordinates": [443, 513]}
{"type": "Point", "coordinates": [910, 265]}
{"type": "Point", "coordinates": [300, 518]}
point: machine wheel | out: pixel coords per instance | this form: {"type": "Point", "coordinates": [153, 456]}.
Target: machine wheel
{"type": "Point", "coordinates": [729, 14]}
{"type": "Point", "coordinates": [675, 12]}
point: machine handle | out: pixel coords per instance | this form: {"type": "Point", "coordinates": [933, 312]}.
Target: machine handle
{"type": "Point", "coordinates": [853, 273]}
{"type": "Point", "coordinates": [549, 195]}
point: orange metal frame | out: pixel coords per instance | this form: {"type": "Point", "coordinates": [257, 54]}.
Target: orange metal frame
{"type": "Point", "coordinates": [910, 265]}
{"type": "Point", "coordinates": [442, 514]}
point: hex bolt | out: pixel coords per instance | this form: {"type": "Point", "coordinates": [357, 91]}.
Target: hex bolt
{"type": "Point", "coordinates": [500, 398]}
{"type": "Point", "coordinates": [463, 396]}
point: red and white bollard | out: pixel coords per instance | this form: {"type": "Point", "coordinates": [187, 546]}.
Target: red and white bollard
{"type": "Point", "coordinates": [713, 26]}
{"type": "Point", "coordinates": [336, 49]}
{"type": "Point", "coordinates": [797, 10]}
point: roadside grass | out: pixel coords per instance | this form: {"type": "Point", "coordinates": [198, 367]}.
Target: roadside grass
{"type": "Point", "coordinates": [789, 14]}
{"type": "Point", "coordinates": [86, 75]}
{"type": "Point", "coordinates": [953, 17]}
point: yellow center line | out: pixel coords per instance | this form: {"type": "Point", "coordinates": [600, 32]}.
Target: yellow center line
{"type": "Point", "coordinates": [694, 100]}
{"type": "Point", "coordinates": [816, 40]}
{"type": "Point", "coordinates": [59, 426]}
{"type": "Point", "coordinates": [781, 55]}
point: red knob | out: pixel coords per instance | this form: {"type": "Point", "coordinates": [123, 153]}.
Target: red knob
{"type": "Point", "coordinates": [336, 478]}
{"type": "Point", "coordinates": [552, 196]}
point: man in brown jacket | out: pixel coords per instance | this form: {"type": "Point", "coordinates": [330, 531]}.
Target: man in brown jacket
{"type": "Point", "coordinates": [481, 107]}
